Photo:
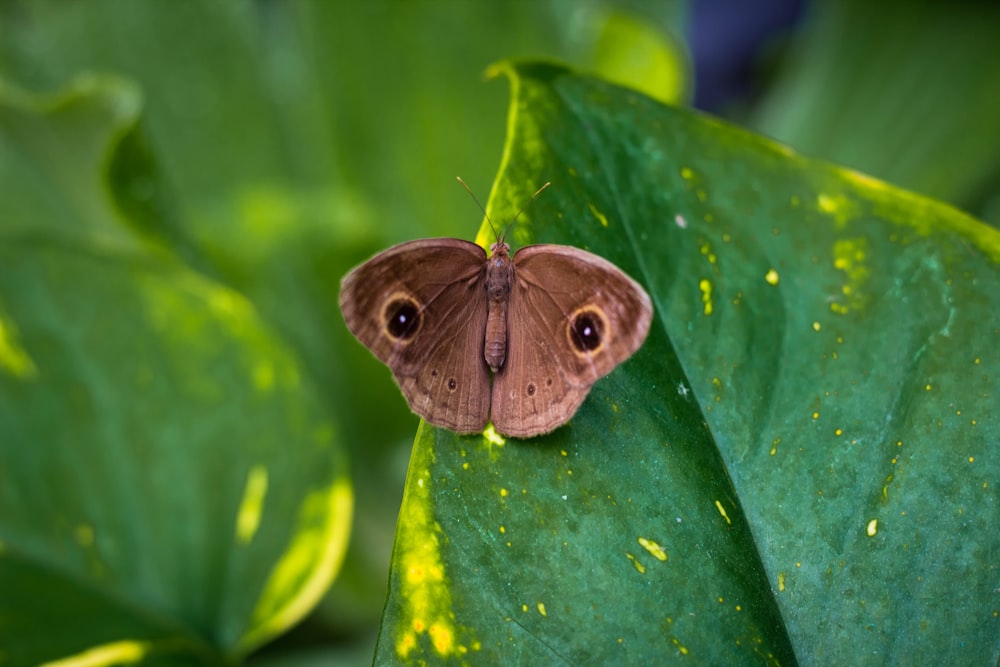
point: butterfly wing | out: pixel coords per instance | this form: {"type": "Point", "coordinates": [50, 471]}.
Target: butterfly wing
{"type": "Point", "coordinates": [572, 317]}
{"type": "Point", "coordinates": [420, 307]}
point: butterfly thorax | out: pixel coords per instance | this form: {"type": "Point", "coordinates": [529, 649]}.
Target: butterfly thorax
{"type": "Point", "coordinates": [499, 278]}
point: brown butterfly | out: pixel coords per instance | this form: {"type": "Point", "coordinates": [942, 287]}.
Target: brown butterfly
{"type": "Point", "coordinates": [548, 322]}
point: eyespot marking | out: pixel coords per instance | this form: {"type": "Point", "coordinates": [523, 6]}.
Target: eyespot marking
{"type": "Point", "coordinates": [585, 329]}
{"type": "Point", "coordinates": [452, 384]}
{"type": "Point", "coordinates": [401, 317]}
{"type": "Point", "coordinates": [530, 389]}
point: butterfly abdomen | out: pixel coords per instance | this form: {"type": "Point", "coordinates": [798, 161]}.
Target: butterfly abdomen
{"type": "Point", "coordinates": [499, 277]}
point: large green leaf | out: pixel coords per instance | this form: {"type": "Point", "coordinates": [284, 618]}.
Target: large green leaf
{"type": "Point", "coordinates": [171, 487]}
{"type": "Point", "coordinates": [801, 463]}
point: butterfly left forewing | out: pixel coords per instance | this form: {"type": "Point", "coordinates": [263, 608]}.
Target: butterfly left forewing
{"type": "Point", "coordinates": [572, 317]}
{"type": "Point", "coordinates": [420, 307]}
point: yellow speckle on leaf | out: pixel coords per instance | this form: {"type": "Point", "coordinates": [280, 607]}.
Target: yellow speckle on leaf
{"type": "Point", "coordinates": [706, 250]}
{"type": "Point", "coordinates": [658, 552]}
{"type": "Point", "coordinates": [781, 581]}
{"type": "Point", "coordinates": [680, 647]}
{"type": "Point", "coordinates": [541, 609]}
{"type": "Point", "coordinates": [705, 286]}
{"type": "Point", "coordinates": [928, 387]}
{"type": "Point", "coordinates": [816, 415]}
{"type": "Point", "coordinates": [817, 326]}
{"type": "Point", "coordinates": [442, 637]}
{"type": "Point", "coordinates": [492, 437]}
{"type": "Point", "coordinates": [771, 277]}
{"type": "Point", "coordinates": [639, 567]}
{"type": "Point", "coordinates": [872, 528]}
{"type": "Point", "coordinates": [774, 446]}
{"type": "Point", "coordinates": [839, 207]}
{"type": "Point", "coordinates": [972, 459]}
{"type": "Point", "coordinates": [597, 214]}
{"type": "Point", "coordinates": [838, 432]}
{"type": "Point", "coordinates": [503, 493]}
{"type": "Point", "coordinates": [406, 643]}
{"type": "Point", "coordinates": [839, 308]}
{"type": "Point", "coordinates": [722, 511]}
{"type": "Point", "coordinates": [850, 256]}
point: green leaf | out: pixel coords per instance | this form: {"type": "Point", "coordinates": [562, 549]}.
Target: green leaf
{"type": "Point", "coordinates": [173, 490]}
{"type": "Point", "coordinates": [800, 464]}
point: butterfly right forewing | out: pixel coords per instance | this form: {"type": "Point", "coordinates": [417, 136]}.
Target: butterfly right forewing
{"type": "Point", "coordinates": [420, 307]}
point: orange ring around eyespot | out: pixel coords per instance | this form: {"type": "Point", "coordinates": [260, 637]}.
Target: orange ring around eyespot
{"type": "Point", "coordinates": [599, 322]}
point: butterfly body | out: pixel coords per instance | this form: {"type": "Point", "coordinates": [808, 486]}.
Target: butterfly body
{"type": "Point", "coordinates": [499, 277]}
{"type": "Point", "coordinates": [548, 322]}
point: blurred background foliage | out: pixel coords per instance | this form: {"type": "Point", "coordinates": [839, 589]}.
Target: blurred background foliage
{"type": "Point", "coordinates": [280, 143]}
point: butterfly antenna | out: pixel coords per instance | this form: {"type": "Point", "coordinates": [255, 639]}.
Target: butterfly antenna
{"type": "Point", "coordinates": [525, 207]}
{"type": "Point", "coordinates": [476, 199]}
{"type": "Point", "coordinates": [533, 198]}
